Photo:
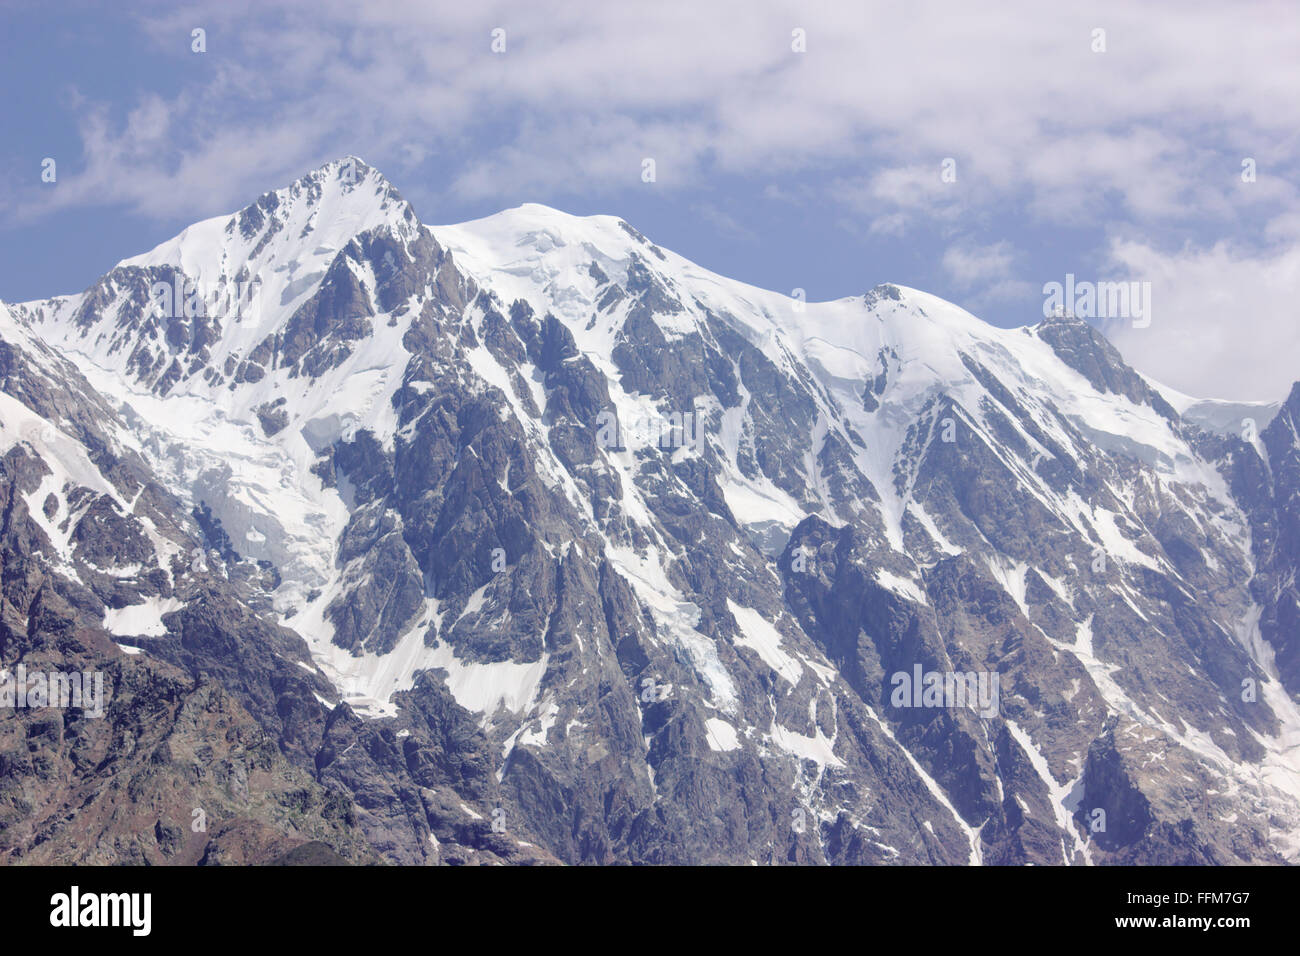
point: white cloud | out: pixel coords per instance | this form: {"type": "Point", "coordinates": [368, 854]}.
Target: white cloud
{"type": "Point", "coordinates": [1223, 325]}
{"type": "Point", "coordinates": [1013, 92]}
{"type": "Point", "coordinates": [970, 265]}
{"type": "Point", "coordinates": [984, 274]}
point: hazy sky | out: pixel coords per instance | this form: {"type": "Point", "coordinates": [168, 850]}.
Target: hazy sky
{"type": "Point", "coordinates": [795, 145]}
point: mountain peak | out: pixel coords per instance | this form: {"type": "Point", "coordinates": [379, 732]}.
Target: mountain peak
{"type": "Point", "coordinates": [1081, 346]}
{"type": "Point", "coordinates": [347, 187]}
{"type": "Point", "coordinates": [1061, 318]}
{"type": "Point", "coordinates": [348, 172]}
{"type": "Point", "coordinates": [320, 212]}
{"type": "Point", "coordinates": [885, 291]}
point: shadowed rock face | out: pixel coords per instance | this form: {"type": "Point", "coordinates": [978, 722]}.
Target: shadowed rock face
{"type": "Point", "coordinates": [1274, 499]}
{"type": "Point", "coordinates": [522, 541]}
{"type": "Point", "coordinates": [1086, 350]}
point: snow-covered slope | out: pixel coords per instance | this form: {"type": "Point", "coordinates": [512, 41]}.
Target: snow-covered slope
{"type": "Point", "coordinates": [1218, 415]}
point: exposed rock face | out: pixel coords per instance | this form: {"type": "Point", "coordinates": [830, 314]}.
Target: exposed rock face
{"type": "Point", "coordinates": [528, 541]}
{"type": "Point", "coordinates": [1086, 350]}
{"type": "Point", "coordinates": [1269, 486]}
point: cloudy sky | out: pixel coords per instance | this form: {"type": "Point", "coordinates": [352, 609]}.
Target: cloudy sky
{"type": "Point", "coordinates": [974, 152]}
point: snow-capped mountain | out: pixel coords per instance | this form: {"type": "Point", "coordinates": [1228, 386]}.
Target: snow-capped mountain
{"type": "Point", "coordinates": [538, 541]}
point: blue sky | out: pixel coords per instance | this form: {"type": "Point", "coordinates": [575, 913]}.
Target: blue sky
{"type": "Point", "coordinates": [1107, 156]}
